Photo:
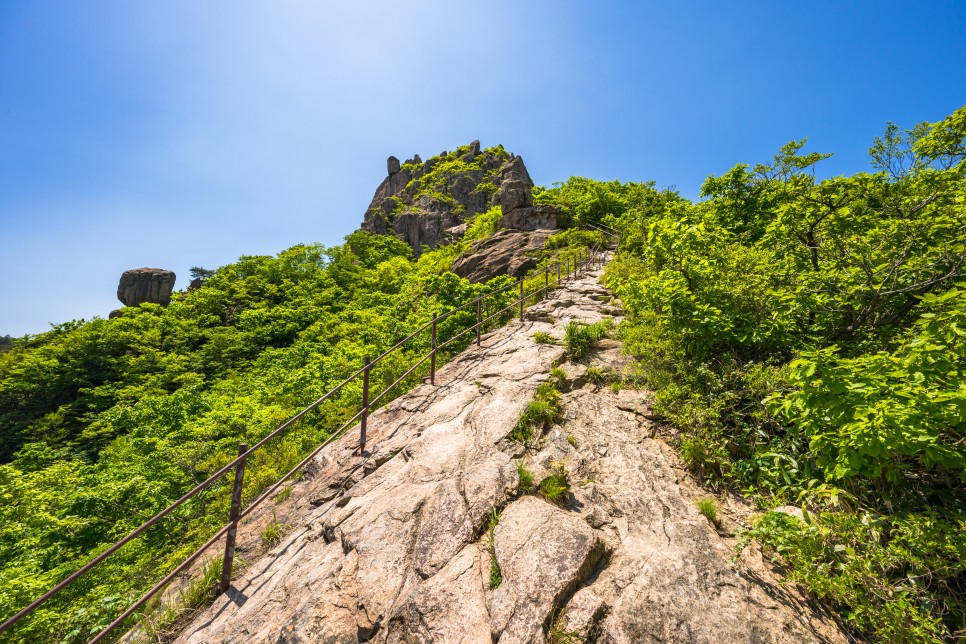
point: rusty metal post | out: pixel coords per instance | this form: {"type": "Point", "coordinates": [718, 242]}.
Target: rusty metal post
{"type": "Point", "coordinates": [432, 355]}
{"type": "Point", "coordinates": [479, 319]}
{"type": "Point", "coordinates": [236, 493]}
{"type": "Point", "coordinates": [521, 299]}
{"type": "Point", "coordinates": [365, 409]}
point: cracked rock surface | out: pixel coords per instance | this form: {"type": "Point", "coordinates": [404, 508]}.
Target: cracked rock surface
{"type": "Point", "coordinates": [394, 546]}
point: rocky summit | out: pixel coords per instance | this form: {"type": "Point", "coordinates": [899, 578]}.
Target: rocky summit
{"type": "Point", "coordinates": [431, 203]}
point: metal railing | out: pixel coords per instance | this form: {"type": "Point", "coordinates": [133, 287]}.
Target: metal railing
{"type": "Point", "coordinates": [583, 260]}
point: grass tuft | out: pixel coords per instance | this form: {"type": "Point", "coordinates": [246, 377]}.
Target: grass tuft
{"type": "Point", "coordinates": [542, 337]}
{"type": "Point", "coordinates": [526, 479]}
{"type": "Point", "coordinates": [272, 533]}
{"type": "Point", "coordinates": [709, 508]}
{"type": "Point", "coordinates": [543, 411]}
{"type": "Point", "coordinates": [579, 338]}
{"type": "Point", "coordinates": [283, 495]}
{"type": "Point", "coordinates": [555, 487]}
{"type": "Point", "coordinates": [496, 576]}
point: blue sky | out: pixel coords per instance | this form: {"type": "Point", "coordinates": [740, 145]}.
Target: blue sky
{"type": "Point", "coordinates": [183, 133]}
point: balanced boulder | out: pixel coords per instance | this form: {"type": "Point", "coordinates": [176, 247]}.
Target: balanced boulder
{"type": "Point", "coordinates": [140, 285]}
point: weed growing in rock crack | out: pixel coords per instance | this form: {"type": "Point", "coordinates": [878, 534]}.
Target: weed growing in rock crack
{"type": "Point", "coordinates": [709, 508]}
{"type": "Point", "coordinates": [558, 375]}
{"type": "Point", "coordinates": [600, 376]}
{"type": "Point", "coordinates": [616, 386]}
{"type": "Point", "coordinates": [496, 577]}
{"type": "Point", "coordinates": [195, 594]}
{"type": "Point", "coordinates": [272, 533]}
{"type": "Point", "coordinates": [572, 440]}
{"type": "Point", "coordinates": [580, 337]}
{"type": "Point", "coordinates": [543, 411]}
{"type": "Point", "coordinates": [558, 635]}
{"type": "Point", "coordinates": [284, 494]}
{"type": "Point", "coordinates": [542, 337]}
{"type": "Point", "coordinates": [554, 488]}
{"type": "Point", "coordinates": [526, 479]}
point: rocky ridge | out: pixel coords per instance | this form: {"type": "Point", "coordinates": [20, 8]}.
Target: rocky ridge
{"type": "Point", "coordinates": [393, 547]}
{"type": "Point", "coordinates": [431, 203]}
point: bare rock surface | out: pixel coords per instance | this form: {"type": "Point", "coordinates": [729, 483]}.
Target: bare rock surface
{"type": "Point", "coordinates": [140, 285]}
{"type": "Point", "coordinates": [506, 252]}
{"type": "Point", "coordinates": [392, 545]}
{"type": "Point", "coordinates": [543, 554]}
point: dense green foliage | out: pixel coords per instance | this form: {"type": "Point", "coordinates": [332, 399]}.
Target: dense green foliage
{"type": "Point", "coordinates": [803, 337]}
{"type": "Point", "coordinates": [806, 339]}
{"type": "Point", "coordinates": [105, 422]}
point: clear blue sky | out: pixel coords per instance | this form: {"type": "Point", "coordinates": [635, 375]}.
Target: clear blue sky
{"type": "Point", "coordinates": [184, 133]}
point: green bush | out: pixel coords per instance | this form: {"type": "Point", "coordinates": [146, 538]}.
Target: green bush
{"type": "Point", "coordinates": [805, 339]}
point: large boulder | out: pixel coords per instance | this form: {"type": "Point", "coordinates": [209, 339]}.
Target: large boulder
{"type": "Point", "coordinates": [514, 194]}
{"type": "Point", "coordinates": [141, 285]}
{"type": "Point", "coordinates": [506, 252]}
{"type": "Point", "coordinates": [538, 217]}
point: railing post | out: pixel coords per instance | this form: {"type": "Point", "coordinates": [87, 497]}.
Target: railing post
{"type": "Point", "coordinates": [479, 319]}
{"type": "Point", "coordinates": [365, 409]}
{"type": "Point", "coordinates": [236, 492]}
{"type": "Point", "coordinates": [546, 283]}
{"type": "Point", "coordinates": [432, 355]}
{"type": "Point", "coordinates": [521, 299]}
{"type": "Point", "coordinates": [558, 275]}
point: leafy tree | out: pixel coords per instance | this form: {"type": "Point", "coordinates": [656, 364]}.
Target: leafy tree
{"type": "Point", "coordinates": [806, 337]}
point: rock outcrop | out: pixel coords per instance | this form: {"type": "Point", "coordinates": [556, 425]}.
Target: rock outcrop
{"type": "Point", "coordinates": [429, 203]}
{"type": "Point", "coordinates": [506, 252]}
{"type": "Point", "coordinates": [141, 285]}
{"type": "Point", "coordinates": [392, 546]}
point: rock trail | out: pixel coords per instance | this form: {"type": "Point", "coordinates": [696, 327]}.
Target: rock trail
{"type": "Point", "coordinates": [394, 548]}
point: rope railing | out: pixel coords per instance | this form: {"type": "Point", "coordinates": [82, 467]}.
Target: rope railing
{"type": "Point", "coordinates": [583, 260]}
